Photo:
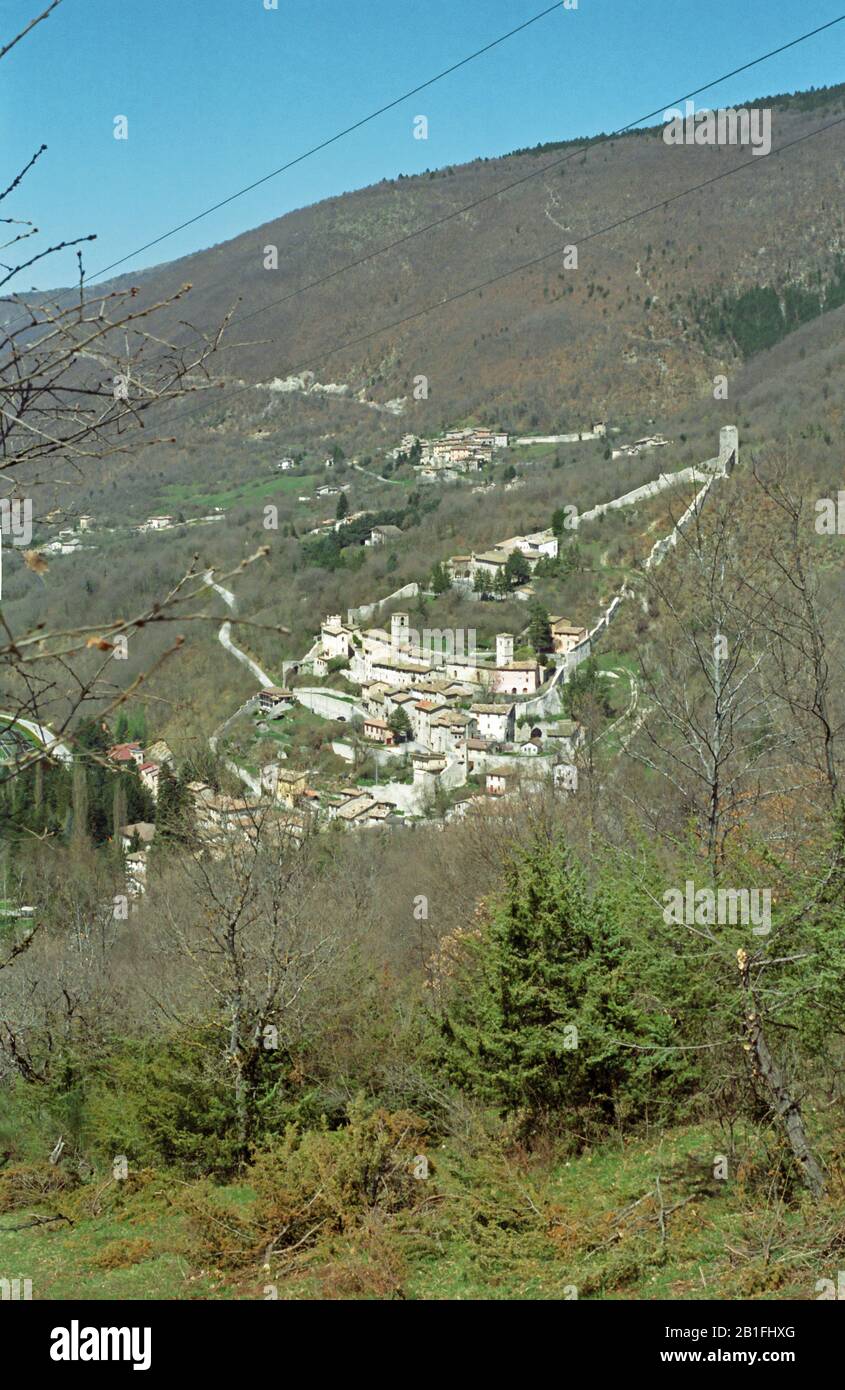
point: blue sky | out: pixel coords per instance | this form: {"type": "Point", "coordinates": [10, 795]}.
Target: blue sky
{"type": "Point", "coordinates": [219, 92]}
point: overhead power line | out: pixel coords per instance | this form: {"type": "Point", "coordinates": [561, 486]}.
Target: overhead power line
{"type": "Point", "coordinates": [579, 241]}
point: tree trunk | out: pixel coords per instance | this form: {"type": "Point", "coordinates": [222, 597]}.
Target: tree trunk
{"type": "Point", "coordinates": [784, 1104]}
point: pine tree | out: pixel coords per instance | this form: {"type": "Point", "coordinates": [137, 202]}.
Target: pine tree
{"type": "Point", "coordinates": [509, 1028]}
{"type": "Point", "coordinates": [539, 629]}
{"type": "Point", "coordinates": [173, 820]}
{"type": "Point", "coordinates": [400, 723]}
{"type": "Point", "coordinates": [439, 582]}
{"type": "Point", "coordinates": [501, 587]}
{"type": "Point", "coordinates": [517, 569]}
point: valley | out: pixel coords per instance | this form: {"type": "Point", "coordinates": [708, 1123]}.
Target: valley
{"type": "Point", "coordinates": [422, 834]}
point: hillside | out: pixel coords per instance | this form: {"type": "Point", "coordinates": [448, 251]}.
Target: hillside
{"type": "Point", "coordinates": [654, 308]}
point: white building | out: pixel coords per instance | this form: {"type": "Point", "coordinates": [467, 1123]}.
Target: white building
{"type": "Point", "coordinates": [495, 722]}
{"type": "Point", "coordinates": [336, 637]}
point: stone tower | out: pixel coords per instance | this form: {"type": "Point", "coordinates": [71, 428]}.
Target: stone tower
{"type": "Point", "coordinates": [504, 649]}
{"type": "Point", "coordinates": [399, 635]}
{"type": "Point", "coordinates": [728, 448]}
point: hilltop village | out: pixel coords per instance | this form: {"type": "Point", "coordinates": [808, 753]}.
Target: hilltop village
{"type": "Point", "coordinates": [430, 724]}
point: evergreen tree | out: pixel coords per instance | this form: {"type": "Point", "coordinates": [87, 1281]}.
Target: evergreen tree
{"type": "Point", "coordinates": [342, 508]}
{"type": "Point", "coordinates": [400, 723]}
{"type": "Point", "coordinates": [539, 629]}
{"type": "Point", "coordinates": [439, 581]}
{"type": "Point", "coordinates": [509, 1026]}
{"type": "Point", "coordinates": [501, 587]}
{"type": "Point", "coordinates": [517, 569]}
{"type": "Point", "coordinates": [173, 819]}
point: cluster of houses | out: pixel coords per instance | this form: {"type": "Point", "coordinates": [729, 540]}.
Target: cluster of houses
{"type": "Point", "coordinates": [137, 837]}
{"type": "Point", "coordinates": [148, 764]}
{"type": "Point", "coordinates": [455, 452]}
{"type": "Point", "coordinates": [447, 694]}
{"type": "Point", "coordinates": [536, 546]}
{"type": "Point", "coordinates": [640, 446]}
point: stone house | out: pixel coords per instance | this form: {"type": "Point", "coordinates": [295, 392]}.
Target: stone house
{"type": "Point", "coordinates": [517, 678]}
{"type": "Point", "coordinates": [495, 722]}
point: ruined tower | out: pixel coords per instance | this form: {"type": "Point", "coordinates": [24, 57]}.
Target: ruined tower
{"type": "Point", "coordinates": [728, 448]}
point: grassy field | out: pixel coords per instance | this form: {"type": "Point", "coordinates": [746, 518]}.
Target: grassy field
{"type": "Point", "coordinates": [631, 1219]}
{"type": "Point", "coordinates": [182, 495]}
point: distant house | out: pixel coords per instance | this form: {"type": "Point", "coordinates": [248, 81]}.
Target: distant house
{"type": "Point", "coordinates": [449, 730]}
{"type": "Point", "coordinates": [136, 872]}
{"type": "Point", "coordinates": [156, 523]}
{"type": "Point", "coordinates": [336, 637]}
{"type": "Point", "coordinates": [159, 752]}
{"type": "Point", "coordinates": [380, 535]}
{"type": "Point", "coordinates": [490, 562]}
{"type": "Point", "coordinates": [65, 544]}
{"type": "Point", "coordinates": [85, 523]}
{"type": "Point", "coordinates": [495, 722]}
{"type": "Point", "coordinates": [284, 464]}
{"type": "Point", "coordinates": [378, 730]}
{"type": "Point", "coordinates": [127, 753]}
{"type": "Point", "coordinates": [143, 831]}
{"type": "Point", "coordinates": [566, 635]}
{"type": "Point", "coordinates": [365, 813]}
{"type": "Point", "coordinates": [517, 678]}
{"type": "Point", "coordinates": [460, 567]}
{"type": "Point", "coordinates": [272, 695]}
{"type": "Point", "coordinates": [565, 735]}
{"type": "Point", "coordinates": [286, 784]}
{"type": "Point", "coordinates": [327, 491]}
{"type": "Point", "coordinates": [496, 784]}
{"type": "Point", "coordinates": [427, 769]}
{"type": "Point", "coordinates": [149, 773]}
{"type": "Point", "coordinates": [535, 547]}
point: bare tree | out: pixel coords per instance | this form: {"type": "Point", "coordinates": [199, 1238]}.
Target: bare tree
{"type": "Point", "coordinates": [240, 933]}
{"type": "Point", "coordinates": [713, 732]}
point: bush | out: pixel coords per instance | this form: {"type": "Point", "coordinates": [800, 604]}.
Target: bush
{"type": "Point", "coordinates": [313, 1184]}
